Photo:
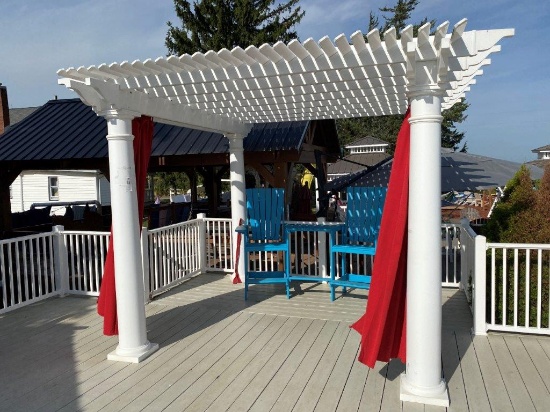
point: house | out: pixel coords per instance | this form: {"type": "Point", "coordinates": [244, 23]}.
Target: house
{"type": "Point", "coordinates": [364, 152]}
{"type": "Point", "coordinates": [543, 156]}
{"type": "Point", "coordinates": [41, 186]}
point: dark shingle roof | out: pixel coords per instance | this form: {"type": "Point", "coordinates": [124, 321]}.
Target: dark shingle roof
{"type": "Point", "coordinates": [541, 149]}
{"type": "Point", "coordinates": [367, 141]}
{"type": "Point", "coordinates": [459, 171]}
{"type": "Point", "coordinates": [365, 159]}
{"type": "Point", "coordinates": [68, 129]}
{"type": "Point", "coordinates": [16, 115]}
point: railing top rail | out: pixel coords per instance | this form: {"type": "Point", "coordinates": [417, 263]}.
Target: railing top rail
{"type": "Point", "coordinates": [85, 232]}
{"type": "Point", "coordinates": [27, 237]}
{"type": "Point", "coordinates": [173, 226]}
{"type": "Point", "coordinates": [518, 246]}
{"type": "Point", "coordinates": [216, 219]}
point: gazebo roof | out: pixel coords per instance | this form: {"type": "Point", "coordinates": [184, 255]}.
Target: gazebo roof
{"type": "Point", "coordinates": [228, 90]}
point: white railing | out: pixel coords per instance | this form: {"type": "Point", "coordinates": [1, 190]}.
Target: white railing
{"type": "Point", "coordinates": [218, 244]}
{"type": "Point", "coordinates": [450, 251]}
{"type": "Point", "coordinates": [82, 259]}
{"type": "Point", "coordinates": [518, 287]}
{"type": "Point", "coordinates": [171, 254]}
{"type": "Point", "coordinates": [27, 270]}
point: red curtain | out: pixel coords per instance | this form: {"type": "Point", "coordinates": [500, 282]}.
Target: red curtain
{"type": "Point", "coordinates": [142, 129]}
{"type": "Point", "coordinates": [383, 326]}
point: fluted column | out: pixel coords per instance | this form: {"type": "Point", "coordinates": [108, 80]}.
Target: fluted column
{"type": "Point", "coordinates": [423, 381]}
{"type": "Point", "coordinates": [133, 345]}
{"type": "Point", "coordinates": [238, 189]}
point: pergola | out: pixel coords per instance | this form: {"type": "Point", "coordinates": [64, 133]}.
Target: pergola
{"type": "Point", "coordinates": [228, 90]}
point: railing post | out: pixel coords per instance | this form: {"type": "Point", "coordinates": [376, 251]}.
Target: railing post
{"type": "Point", "coordinates": [145, 265]}
{"type": "Point", "coordinates": [480, 286]}
{"type": "Point", "coordinates": [60, 261]}
{"type": "Point", "coordinates": [322, 248]}
{"type": "Point", "coordinates": [202, 241]}
{"type": "Point", "coordinates": [464, 258]}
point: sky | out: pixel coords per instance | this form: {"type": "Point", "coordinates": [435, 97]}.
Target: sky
{"type": "Point", "coordinates": [507, 117]}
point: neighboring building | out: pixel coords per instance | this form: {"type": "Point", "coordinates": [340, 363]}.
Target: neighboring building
{"type": "Point", "coordinates": [364, 152]}
{"type": "Point", "coordinates": [39, 186]}
{"type": "Point", "coordinates": [543, 156]}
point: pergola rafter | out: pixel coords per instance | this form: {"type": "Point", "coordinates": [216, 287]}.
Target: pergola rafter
{"type": "Point", "coordinates": [228, 90]}
{"type": "Point", "coordinates": [309, 80]}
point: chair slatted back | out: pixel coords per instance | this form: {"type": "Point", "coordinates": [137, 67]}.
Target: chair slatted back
{"type": "Point", "coordinates": [266, 210]}
{"type": "Point", "coordinates": [364, 214]}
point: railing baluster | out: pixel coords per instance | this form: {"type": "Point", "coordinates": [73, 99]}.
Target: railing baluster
{"type": "Point", "coordinates": [527, 285]}
{"type": "Point", "coordinates": [3, 273]}
{"type": "Point", "coordinates": [516, 288]}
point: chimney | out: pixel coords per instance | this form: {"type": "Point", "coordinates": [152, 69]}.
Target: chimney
{"type": "Point", "coordinates": [4, 111]}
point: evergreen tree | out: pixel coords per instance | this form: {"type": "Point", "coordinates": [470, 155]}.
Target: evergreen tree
{"type": "Point", "coordinates": [387, 127]}
{"type": "Point", "coordinates": [217, 24]}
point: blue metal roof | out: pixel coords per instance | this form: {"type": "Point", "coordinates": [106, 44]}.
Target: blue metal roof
{"type": "Point", "coordinates": [68, 129]}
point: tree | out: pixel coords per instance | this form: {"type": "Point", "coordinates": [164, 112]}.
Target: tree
{"type": "Point", "coordinates": [217, 24]}
{"type": "Point", "coordinates": [387, 127]}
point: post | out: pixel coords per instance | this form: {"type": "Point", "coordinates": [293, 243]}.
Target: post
{"type": "Point", "coordinates": [479, 293]}
{"type": "Point", "coordinates": [322, 248]}
{"type": "Point", "coordinates": [60, 262]}
{"type": "Point", "coordinates": [133, 345]}
{"type": "Point", "coordinates": [145, 265]}
{"type": "Point", "coordinates": [238, 190]}
{"type": "Point", "coordinates": [202, 241]}
{"type": "Point", "coordinates": [422, 381]}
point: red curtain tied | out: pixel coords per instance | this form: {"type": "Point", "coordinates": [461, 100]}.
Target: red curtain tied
{"type": "Point", "coordinates": [142, 129]}
{"type": "Point", "coordinates": [383, 326]}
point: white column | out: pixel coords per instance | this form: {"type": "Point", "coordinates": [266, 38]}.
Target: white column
{"type": "Point", "coordinates": [422, 381]}
{"type": "Point", "coordinates": [238, 193]}
{"type": "Point", "coordinates": [133, 345]}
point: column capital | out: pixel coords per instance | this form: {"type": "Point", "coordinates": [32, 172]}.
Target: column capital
{"type": "Point", "coordinates": [235, 142]}
{"type": "Point", "coordinates": [122, 114]}
{"type": "Point", "coordinates": [424, 90]}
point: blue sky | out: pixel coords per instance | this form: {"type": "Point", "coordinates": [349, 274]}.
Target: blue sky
{"type": "Point", "coordinates": [507, 116]}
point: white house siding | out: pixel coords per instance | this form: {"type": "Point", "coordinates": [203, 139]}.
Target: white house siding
{"type": "Point", "coordinates": [15, 195]}
{"type": "Point", "coordinates": [73, 186]}
{"type": "Point", "coordinates": [104, 191]}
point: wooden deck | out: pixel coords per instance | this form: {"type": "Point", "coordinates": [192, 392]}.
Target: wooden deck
{"type": "Point", "coordinates": [219, 353]}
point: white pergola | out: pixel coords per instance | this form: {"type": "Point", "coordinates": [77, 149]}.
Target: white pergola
{"type": "Point", "coordinates": [229, 90]}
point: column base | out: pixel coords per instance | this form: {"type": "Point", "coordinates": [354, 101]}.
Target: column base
{"type": "Point", "coordinates": [133, 356]}
{"type": "Point", "coordinates": [438, 396]}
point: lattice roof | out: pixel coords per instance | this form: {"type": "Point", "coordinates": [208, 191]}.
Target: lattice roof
{"type": "Point", "coordinates": [228, 90]}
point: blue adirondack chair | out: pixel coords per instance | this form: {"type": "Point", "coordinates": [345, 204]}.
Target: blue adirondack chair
{"type": "Point", "coordinates": [264, 232]}
{"type": "Point", "coordinates": [360, 234]}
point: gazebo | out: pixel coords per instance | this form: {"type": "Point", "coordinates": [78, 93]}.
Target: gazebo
{"type": "Point", "coordinates": [228, 90]}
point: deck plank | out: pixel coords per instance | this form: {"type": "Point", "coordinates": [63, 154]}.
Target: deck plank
{"type": "Point", "coordinates": [390, 402]}
{"type": "Point", "coordinates": [163, 381]}
{"type": "Point", "coordinates": [371, 400]}
{"type": "Point", "coordinates": [515, 387]}
{"type": "Point", "coordinates": [331, 395]}
{"type": "Point", "coordinates": [280, 365]}
{"type": "Point", "coordinates": [288, 389]}
{"type": "Point", "coordinates": [473, 380]}
{"type": "Point", "coordinates": [538, 392]}
{"type": "Point", "coordinates": [492, 378]}
{"type": "Point", "coordinates": [452, 370]}
{"type": "Point", "coordinates": [539, 357]}
{"type": "Point", "coordinates": [354, 386]}
{"type": "Point", "coordinates": [218, 352]}
{"type": "Point", "coordinates": [268, 358]}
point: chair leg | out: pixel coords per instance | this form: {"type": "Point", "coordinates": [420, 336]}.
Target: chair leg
{"type": "Point", "coordinates": [332, 277]}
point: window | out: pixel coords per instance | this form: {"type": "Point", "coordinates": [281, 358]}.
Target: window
{"type": "Point", "coordinates": [53, 184]}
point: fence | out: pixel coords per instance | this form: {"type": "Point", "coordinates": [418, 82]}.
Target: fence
{"type": "Point", "coordinates": [27, 270]}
